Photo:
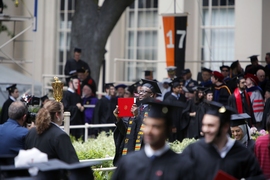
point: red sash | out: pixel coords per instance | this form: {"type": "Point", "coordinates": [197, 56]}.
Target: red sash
{"type": "Point", "coordinates": [238, 100]}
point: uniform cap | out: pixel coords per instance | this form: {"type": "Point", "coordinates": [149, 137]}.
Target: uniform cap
{"type": "Point", "coordinates": [171, 68]}
{"type": "Point", "coordinates": [151, 85]}
{"type": "Point", "coordinates": [218, 75]}
{"type": "Point", "coordinates": [166, 80]}
{"type": "Point", "coordinates": [11, 88]}
{"type": "Point", "coordinates": [239, 119]}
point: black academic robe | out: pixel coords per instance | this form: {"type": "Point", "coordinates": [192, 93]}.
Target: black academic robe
{"type": "Point", "coordinates": [76, 116]}
{"type": "Point", "coordinates": [266, 113]}
{"type": "Point", "coordinates": [221, 94]}
{"type": "Point", "coordinates": [189, 122]}
{"type": "Point", "coordinates": [122, 139]}
{"type": "Point", "coordinates": [200, 112]}
{"type": "Point", "coordinates": [4, 111]}
{"type": "Point", "coordinates": [177, 114]}
{"type": "Point", "coordinates": [239, 162]}
{"type": "Point", "coordinates": [73, 65]}
{"type": "Point", "coordinates": [103, 113]}
{"type": "Point", "coordinates": [246, 108]}
{"type": "Point", "coordinates": [169, 166]}
{"type": "Point", "coordinates": [54, 142]}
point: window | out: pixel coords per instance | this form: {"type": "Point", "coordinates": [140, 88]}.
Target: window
{"type": "Point", "coordinates": [66, 11]}
{"type": "Point", "coordinates": [217, 32]}
{"type": "Point", "coordinates": [141, 41]}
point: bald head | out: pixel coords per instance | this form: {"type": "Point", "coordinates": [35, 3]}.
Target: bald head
{"type": "Point", "coordinates": [17, 110]}
{"type": "Point", "coordinates": [260, 75]}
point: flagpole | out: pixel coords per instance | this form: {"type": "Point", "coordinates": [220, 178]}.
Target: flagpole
{"type": "Point", "coordinates": [174, 7]}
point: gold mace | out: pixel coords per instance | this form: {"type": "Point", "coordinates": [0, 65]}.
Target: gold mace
{"type": "Point", "coordinates": [57, 86]}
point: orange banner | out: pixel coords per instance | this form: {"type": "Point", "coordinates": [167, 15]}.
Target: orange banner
{"type": "Point", "coordinates": [169, 33]}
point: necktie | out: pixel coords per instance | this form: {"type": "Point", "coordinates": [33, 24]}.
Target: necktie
{"type": "Point", "coordinates": [153, 157]}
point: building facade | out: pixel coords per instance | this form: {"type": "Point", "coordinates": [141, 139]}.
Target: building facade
{"type": "Point", "coordinates": [218, 31]}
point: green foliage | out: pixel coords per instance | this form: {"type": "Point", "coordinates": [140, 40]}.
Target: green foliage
{"type": "Point", "coordinates": [178, 146]}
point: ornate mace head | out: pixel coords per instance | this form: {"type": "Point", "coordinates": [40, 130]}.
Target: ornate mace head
{"type": "Point", "coordinates": [57, 86]}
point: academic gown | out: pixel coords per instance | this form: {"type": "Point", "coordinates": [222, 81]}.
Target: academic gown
{"type": "Point", "coordinates": [266, 113]}
{"type": "Point", "coordinates": [239, 162]}
{"type": "Point", "coordinates": [189, 122]}
{"type": "Point", "coordinates": [177, 114]}
{"type": "Point", "coordinates": [76, 116]}
{"type": "Point", "coordinates": [169, 166]}
{"type": "Point", "coordinates": [54, 142]}
{"type": "Point", "coordinates": [221, 94]}
{"type": "Point", "coordinates": [122, 139]}
{"type": "Point", "coordinates": [246, 108]}
{"type": "Point", "coordinates": [103, 113]}
{"type": "Point", "coordinates": [4, 111]}
{"type": "Point", "coordinates": [200, 112]}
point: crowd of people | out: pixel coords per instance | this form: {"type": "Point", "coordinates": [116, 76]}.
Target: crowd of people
{"type": "Point", "coordinates": [219, 109]}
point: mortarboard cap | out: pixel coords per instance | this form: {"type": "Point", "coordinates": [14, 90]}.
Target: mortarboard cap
{"type": "Point", "coordinates": [151, 85]}
{"type": "Point", "coordinates": [80, 170]}
{"type": "Point", "coordinates": [43, 98]}
{"type": "Point", "coordinates": [171, 68]}
{"type": "Point", "coordinates": [208, 90]}
{"type": "Point", "coordinates": [234, 64]}
{"type": "Point", "coordinates": [253, 78]}
{"type": "Point", "coordinates": [189, 89]}
{"type": "Point", "coordinates": [218, 75]}
{"type": "Point", "coordinates": [148, 73]}
{"type": "Point", "coordinates": [221, 111]}
{"type": "Point", "coordinates": [253, 58]}
{"type": "Point", "coordinates": [81, 70]}
{"type": "Point", "coordinates": [12, 172]}
{"type": "Point", "coordinates": [186, 71]}
{"type": "Point", "coordinates": [161, 109]}
{"type": "Point", "coordinates": [206, 70]}
{"type": "Point", "coordinates": [11, 88]}
{"type": "Point", "coordinates": [239, 119]}
{"type": "Point", "coordinates": [224, 66]}
{"type": "Point", "coordinates": [108, 85]}
{"type": "Point", "coordinates": [79, 50]}
{"type": "Point", "coordinates": [200, 88]}
{"type": "Point", "coordinates": [120, 86]}
{"type": "Point", "coordinates": [131, 88]}
{"type": "Point", "coordinates": [175, 83]}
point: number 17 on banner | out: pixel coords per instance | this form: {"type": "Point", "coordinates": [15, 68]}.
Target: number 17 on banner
{"type": "Point", "coordinates": [175, 27]}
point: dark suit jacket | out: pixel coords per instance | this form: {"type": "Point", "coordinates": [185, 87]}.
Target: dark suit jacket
{"type": "Point", "coordinates": [54, 142]}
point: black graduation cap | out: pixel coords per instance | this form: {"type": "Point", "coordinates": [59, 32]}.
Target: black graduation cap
{"type": "Point", "coordinates": [223, 112]}
{"type": "Point", "coordinates": [34, 101]}
{"type": "Point", "coordinates": [12, 172]}
{"type": "Point", "coordinates": [148, 73]}
{"type": "Point", "coordinates": [200, 88]}
{"type": "Point", "coordinates": [108, 85]}
{"type": "Point", "coordinates": [224, 66]}
{"type": "Point", "coordinates": [138, 83]}
{"type": "Point", "coordinates": [239, 119]}
{"type": "Point", "coordinates": [175, 82]}
{"type": "Point", "coordinates": [206, 70]}
{"type": "Point", "coordinates": [190, 89]}
{"type": "Point", "coordinates": [151, 85]}
{"type": "Point", "coordinates": [76, 49]}
{"type": "Point", "coordinates": [131, 88]}
{"type": "Point", "coordinates": [253, 58]}
{"type": "Point", "coordinates": [120, 86]}
{"type": "Point", "coordinates": [11, 88]}
{"type": "Point", "coordinates": [80, 170]}
{"type": "Point", "coordinates": [43, 98]}
{"type": "Point", "coordinates": [208, 90]}
{"type": "Point", "coordinates": [234, 64]}
{"type": "Point", "coordinates": [161, 109]}
{"type": "Point", "coordinates": [81, 70]}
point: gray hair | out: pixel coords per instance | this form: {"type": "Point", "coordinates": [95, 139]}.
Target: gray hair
{"type": "Point", "coordinates": [17, 110]}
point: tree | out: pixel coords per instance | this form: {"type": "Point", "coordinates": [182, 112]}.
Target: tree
{"type": "Point", "coordinates": [91, 27]}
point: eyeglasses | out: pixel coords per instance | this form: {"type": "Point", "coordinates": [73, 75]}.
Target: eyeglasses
{"type": "Point", "coordinates": [144, 92]}
{"type": "Point", "coordinates": [225, 70]}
